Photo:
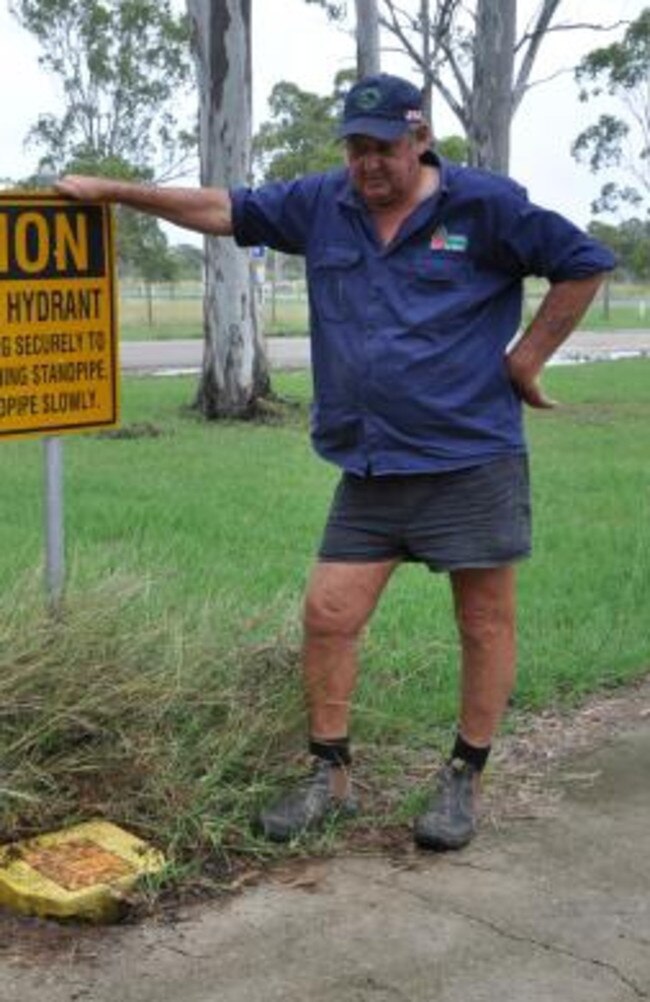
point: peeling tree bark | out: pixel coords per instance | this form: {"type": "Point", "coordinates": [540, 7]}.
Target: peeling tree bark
{"type": "Point", "coordinates": [235, 370]}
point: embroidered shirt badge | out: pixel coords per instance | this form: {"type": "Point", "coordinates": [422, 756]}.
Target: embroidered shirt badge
{"type": "Point", "coordinates": [442, 240]}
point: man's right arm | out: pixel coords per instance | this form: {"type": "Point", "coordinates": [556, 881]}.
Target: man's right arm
{"type": "Point", "coordinates": [206, 210]}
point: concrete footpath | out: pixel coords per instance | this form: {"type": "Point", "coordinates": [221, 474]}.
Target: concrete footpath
{"type": "Point", "coordinates": [546, 909]}
{"type": "Point", "coordinates": [294, 352]}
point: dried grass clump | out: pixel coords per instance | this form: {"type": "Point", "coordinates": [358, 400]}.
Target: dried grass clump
{"type": "Point", "coordinates": [117, 710]}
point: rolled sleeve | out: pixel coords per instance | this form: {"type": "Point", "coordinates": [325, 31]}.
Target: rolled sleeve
{"type": "Point", "coordinates": [277, 215]}
{"type": "Point", "coordinates": [544, 243]}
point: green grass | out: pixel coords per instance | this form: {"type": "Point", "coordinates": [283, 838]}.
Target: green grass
{"type": "Point", "coordinates": [168, 697]}
{"type": "Point", "coordinates": [622, 316]}
{"type": "Point", "coordinates": [181, 317]}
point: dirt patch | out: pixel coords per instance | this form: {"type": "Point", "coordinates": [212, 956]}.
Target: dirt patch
{"type": "Point", "coordinates": [26, 941]}
{"type": "Point", "coordinates": [526, 762]}
{"type": "Point", "coordinates": [142, 429]}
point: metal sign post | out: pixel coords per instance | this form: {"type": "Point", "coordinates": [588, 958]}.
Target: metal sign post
{"type": "Point", "coordinates": [54, 529]}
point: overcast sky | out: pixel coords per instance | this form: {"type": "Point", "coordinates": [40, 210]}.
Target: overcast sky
{"type": "Point", "coordinates": [293, 41]}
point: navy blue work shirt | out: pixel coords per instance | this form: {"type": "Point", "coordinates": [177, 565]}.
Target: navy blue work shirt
{"type": "Point", "coordinates": [409, 339]}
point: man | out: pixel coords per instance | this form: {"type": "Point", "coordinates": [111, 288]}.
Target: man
{"type": "Point", "coordinates": [415, 271]}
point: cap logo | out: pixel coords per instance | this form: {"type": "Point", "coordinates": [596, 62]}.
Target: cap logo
{"type": "Point", "coordinates": [368, 99]}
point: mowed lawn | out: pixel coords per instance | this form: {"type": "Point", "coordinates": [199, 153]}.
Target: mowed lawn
{"type": "Point", "coordinates": [177, 312]}
{"type": "Point", "coordinates": [226, 518]}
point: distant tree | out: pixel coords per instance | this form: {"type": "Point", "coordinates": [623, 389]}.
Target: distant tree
{"type": "Point", "coordinates": [630, 242]}
{"type": "Point", "coordinates": [300, 138]}
{"type": "Point", "coordinates": [454, 148]}
{"type": "Point", "coordinates": [335, 11]}
{"type": "Point", "coordinates": [148, 253]}
{"type": "Point", "coordinates": [151, 258]}
{"type": "Point", "coordinates": [141, 245]}
{"type": "Point", "coordinates": [189, 261]}
{"type": "Point", "coordinates": [621, 71]}
{"type": "Point", "coordinates": [122, 65]}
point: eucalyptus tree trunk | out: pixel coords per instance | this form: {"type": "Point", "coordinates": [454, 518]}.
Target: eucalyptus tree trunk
{"type": "Point", "coordinates": [491, 102]}
{"type": "Point", "coordinates": [368, 58]}
{"type": "Point", "coordinates": [427, 73]}
{"type": "Point", "coordinates": [235, 371]}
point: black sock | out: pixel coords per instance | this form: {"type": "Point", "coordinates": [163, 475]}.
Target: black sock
{"type": "Point", "coordinates": [470, 753]}
{"type": "Point", "coordinates": [334, 750]}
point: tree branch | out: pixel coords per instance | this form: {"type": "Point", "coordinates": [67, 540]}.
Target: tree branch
{"type": "Point", "coordinates": [441, 25]}
{"type": "Point", "coordinates": [533, 40]}
{"type": "Point", "coordinates": [551, 76]}
{"type": "Point", "coordinates": [463, 86]}
{"type": "Point", "coordinates": [395, 28]}
{"type": "Point", "coordinates": [542, 26]}
{"type": "Point", "coordinates": [574, 26]}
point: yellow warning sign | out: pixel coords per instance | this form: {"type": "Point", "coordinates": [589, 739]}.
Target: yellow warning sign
{"type": "Point", "coordinates": [58, 339]}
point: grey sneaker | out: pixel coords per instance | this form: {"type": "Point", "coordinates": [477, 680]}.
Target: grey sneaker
{"type": "Point", "coordinates": [450, 820]}
{"type": "Point", "coordinates": [305, 808]}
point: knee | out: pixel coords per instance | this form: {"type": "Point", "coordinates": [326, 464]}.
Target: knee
{"type": "Point", "coordinates": [330, 615]}
{"type": "Point", "coordinates": [484, 623]}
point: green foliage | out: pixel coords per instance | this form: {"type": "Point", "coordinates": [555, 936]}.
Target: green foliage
{"type": "Point", "coordinates": [142, 247]}
{"type": "Point", "coordinates": [623, 65]}
{"type": "Point", "coordinates": [454, 148]}
{"type": "Point", "coordinates": [630, 241]}
{"type": "Point", "coordinates": [335, 11]}
{"type": "Point", "coordinates": [189, 262]}
{"type": "Point", "coordinates": [622, 71]}
{"type": "Point", "coordinates": [122, 65]}
{"type": "Point", "coordinates": [602, 143]}
{"type": "Point", "coordinates": [301, 136]}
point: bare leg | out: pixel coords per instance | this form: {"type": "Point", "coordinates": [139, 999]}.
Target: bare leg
{"type": "Point", "coordinates": [340, 599]}
{"type": "Point", "coordinates": [484, 602]}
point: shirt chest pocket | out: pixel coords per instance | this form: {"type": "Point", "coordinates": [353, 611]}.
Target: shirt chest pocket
{"type": "Point", "coordinates": [440, 291]}
{"type": "Point", "coordinates": [335, 281]}
{"type": "Point", "coordinates": [444, 269]}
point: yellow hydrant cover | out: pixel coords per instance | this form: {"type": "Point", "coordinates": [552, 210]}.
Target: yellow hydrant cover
{"type": "Point", "coordinates": [83, 872]}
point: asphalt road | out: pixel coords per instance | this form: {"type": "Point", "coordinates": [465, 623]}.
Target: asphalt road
{"type": "Point", "coordinates": [293, 352]}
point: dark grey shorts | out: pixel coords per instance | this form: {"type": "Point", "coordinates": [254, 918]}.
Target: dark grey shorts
{"type": "Point", "coordinates": [474, 517]}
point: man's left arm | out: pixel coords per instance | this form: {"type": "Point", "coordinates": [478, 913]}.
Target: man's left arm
{"type": "Point", "coordinates": [559, 313]}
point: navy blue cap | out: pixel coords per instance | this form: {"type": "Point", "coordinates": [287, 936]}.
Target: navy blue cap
{"type": "Point", "coordinates": [382, 107]}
